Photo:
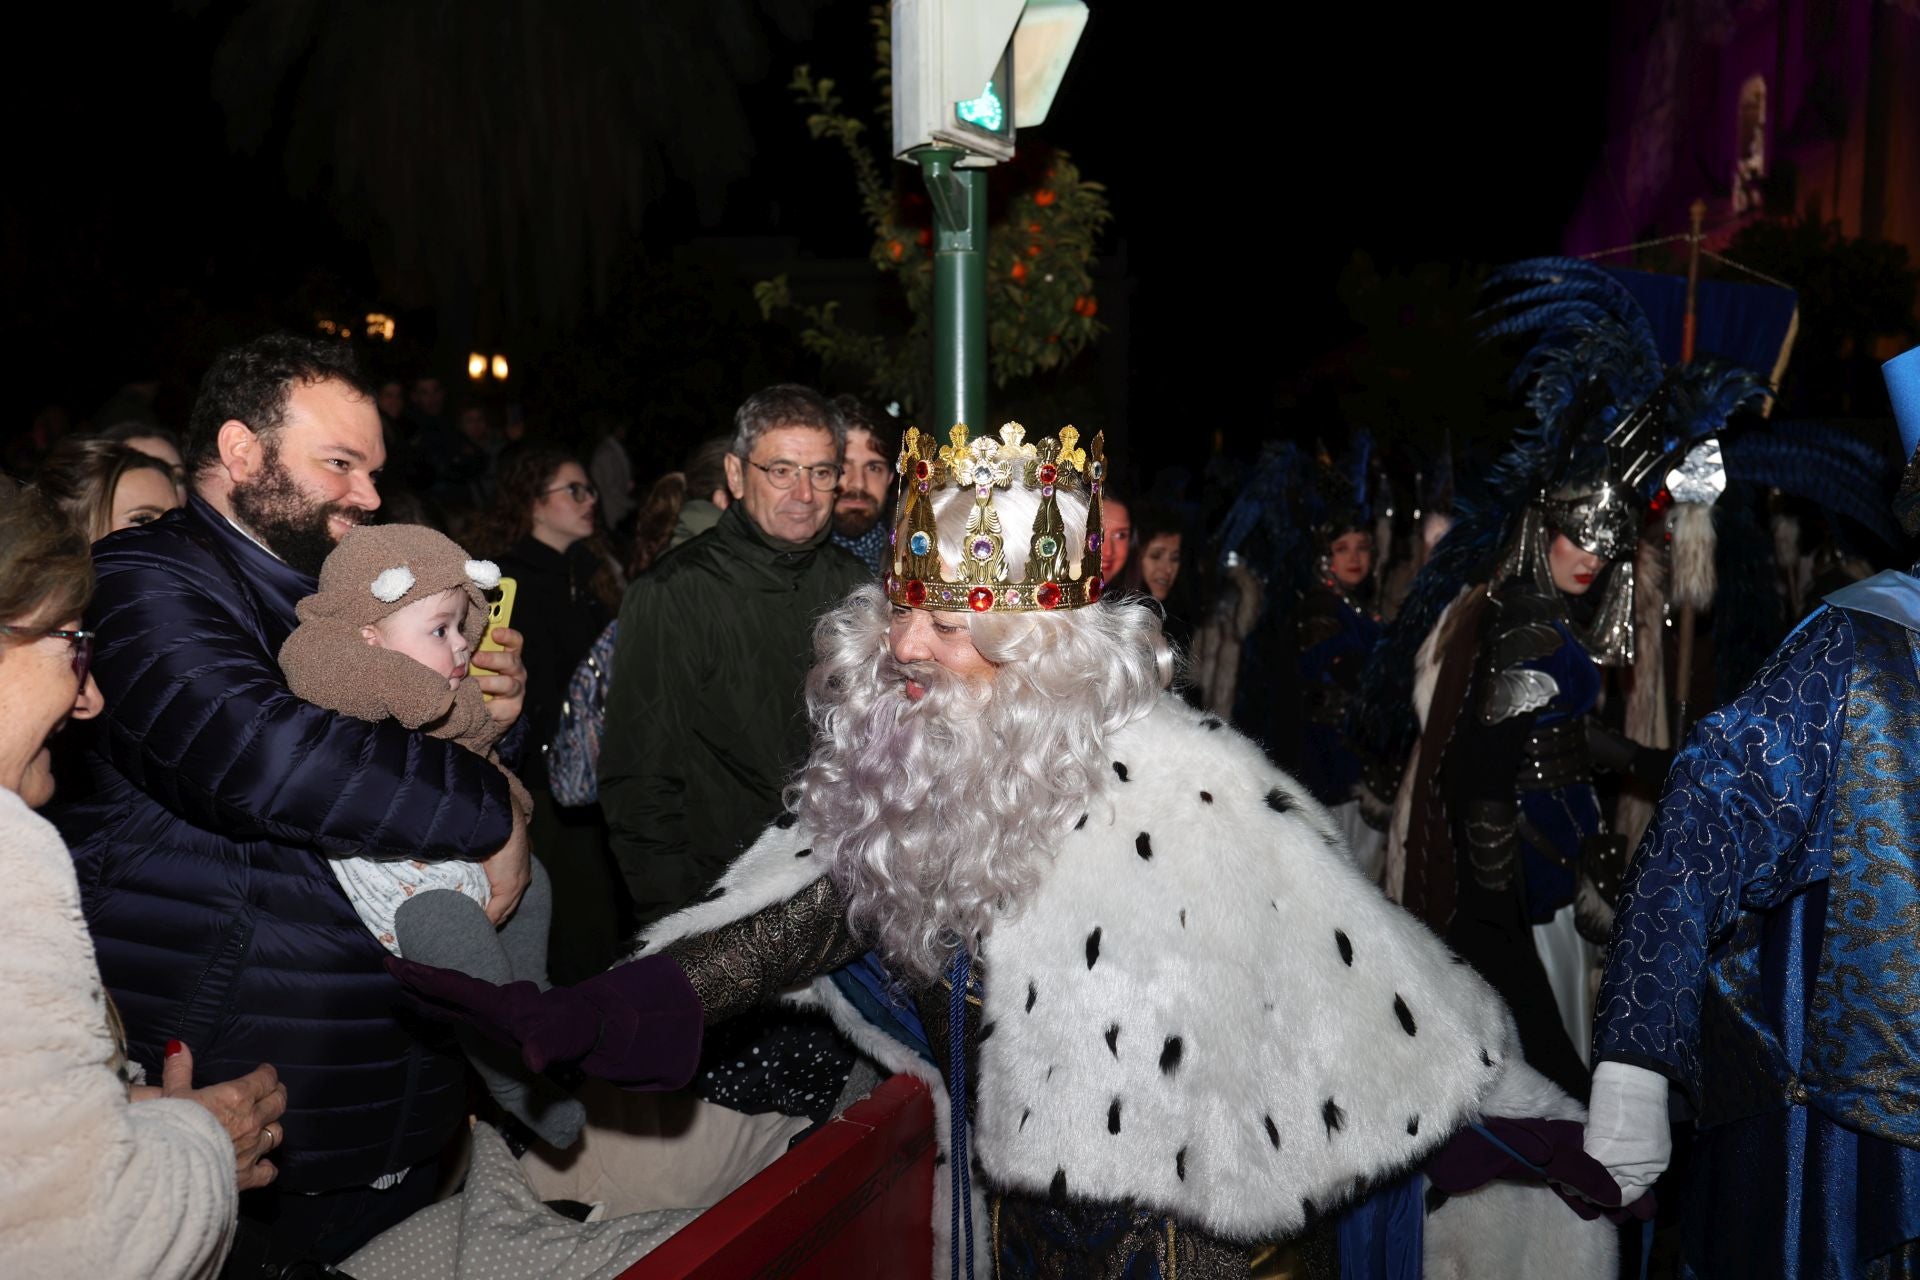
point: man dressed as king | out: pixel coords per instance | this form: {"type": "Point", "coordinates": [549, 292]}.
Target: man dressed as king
{"type": "Point", "coordinates": [1164, 1019]}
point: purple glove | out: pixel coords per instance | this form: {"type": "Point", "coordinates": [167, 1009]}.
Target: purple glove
{"type": "Point", "coordinates": [638, 1026]}
{"type": "Point", "coordinates": [1547, 1150]}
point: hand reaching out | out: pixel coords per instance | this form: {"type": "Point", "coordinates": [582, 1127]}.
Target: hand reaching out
{"type": "Point", "coordinates": [247, 1108]}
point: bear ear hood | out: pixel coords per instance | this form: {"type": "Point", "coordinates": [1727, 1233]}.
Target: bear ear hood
{"type": "Point", "coordinates": [377, 570]}
{"type": "Point", "coordinates": [390, 584]}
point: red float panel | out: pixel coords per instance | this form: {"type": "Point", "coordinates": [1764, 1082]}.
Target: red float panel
{"type": "Point", "coordinates": [852, 1202]}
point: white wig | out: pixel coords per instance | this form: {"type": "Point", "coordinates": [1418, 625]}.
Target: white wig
{"type": "Point", "coordinates": [934, 816]}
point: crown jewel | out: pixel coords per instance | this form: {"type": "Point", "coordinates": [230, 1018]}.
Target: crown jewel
{"type": "Point", "coordinates": [981, 581]}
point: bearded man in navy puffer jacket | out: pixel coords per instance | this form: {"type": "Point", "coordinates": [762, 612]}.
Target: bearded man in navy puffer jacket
{"type": "Point", "coordinates": [206, 799]}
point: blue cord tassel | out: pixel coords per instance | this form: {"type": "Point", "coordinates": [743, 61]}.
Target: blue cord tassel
{"type": "Point", "coordinates": [960, 1164]}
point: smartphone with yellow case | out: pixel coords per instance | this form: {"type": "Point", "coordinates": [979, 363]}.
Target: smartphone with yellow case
{"type": "Point", "coordinates": [499, 614]}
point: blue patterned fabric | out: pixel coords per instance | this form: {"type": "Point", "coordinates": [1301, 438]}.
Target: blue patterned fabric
{"type": "Point", "coordinates": [869, 546]}
{"type": "Point", "coordinates": [1764, 958]}
{"type": "Point", "coordinates": [1741, 828]}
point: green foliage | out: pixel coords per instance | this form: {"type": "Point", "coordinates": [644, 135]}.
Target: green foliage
{"type": "Point", "coordinates": [1040, 252]}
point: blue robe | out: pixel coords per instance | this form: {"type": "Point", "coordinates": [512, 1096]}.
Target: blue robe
{"type": "Point", "coordinates": [1766, 956]}
{"type": "Point", "coordinates": [1336, 636]}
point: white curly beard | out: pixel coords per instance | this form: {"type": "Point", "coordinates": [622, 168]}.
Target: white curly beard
{"type": "Point", "coordinates": [939, 810]}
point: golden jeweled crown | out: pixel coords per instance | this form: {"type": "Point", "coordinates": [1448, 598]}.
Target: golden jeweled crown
{"type": "Point", "coordinates": [980, 582]}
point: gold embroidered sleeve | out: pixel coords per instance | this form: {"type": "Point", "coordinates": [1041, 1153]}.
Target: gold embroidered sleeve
{"type": "Point", "coordinates": [739, 965]}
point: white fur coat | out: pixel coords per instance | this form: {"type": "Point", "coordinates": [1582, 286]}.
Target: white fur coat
{"type": "Point", "coordinates": [89, 1184]}
{"type": "Point", "coordinates": [1204, 1009]}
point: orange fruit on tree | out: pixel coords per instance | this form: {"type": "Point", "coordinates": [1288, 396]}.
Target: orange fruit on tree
{"type": "Point", "coordinates": [896, 250]}
{"type": "Point", "coordinates": [1019, 271]}
{"type": "Point", "coordinates": [1044, 197]}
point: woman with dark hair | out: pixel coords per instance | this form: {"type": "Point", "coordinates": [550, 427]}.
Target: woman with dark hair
{"type": "Point", "coordinates": [1153, 569]}
{"type": "Point", "coordinates": [101, 486]}
{"type": "Point", "coordinates": [657, 517]}
{"type": "Point", "coordinates": [1336, 628]}
{"type": "Point", "coordinates": [102, 1176]}
{"type": "Point", "coordinates": [540, 529]}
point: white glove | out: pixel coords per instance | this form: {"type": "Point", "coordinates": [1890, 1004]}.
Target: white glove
{"type": "Point", "coordinates": [1627, 1128]}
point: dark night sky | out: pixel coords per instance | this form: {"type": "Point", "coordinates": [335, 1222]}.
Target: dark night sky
{"type": "Point", "coordinates": [1246, 161]}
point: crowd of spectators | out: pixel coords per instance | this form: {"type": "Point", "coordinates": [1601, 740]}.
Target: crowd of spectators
{"type": "Point", "coordinates": [200, 802]}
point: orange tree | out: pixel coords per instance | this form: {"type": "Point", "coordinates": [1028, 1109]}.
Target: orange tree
{"type": "Point", "coordinates": [1043, 224]}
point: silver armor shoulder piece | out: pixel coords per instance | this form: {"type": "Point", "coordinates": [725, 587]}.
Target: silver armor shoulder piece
{"type": "Point", "coordinates": [1514, 692]}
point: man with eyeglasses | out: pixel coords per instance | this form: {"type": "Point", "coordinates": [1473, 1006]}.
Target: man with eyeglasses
{"type": "Point", "coordinates": [706, 719]}
{"type": "Point", "coordinates": [705, 714]}
{"type": "Point", "coordinates": [865, 477]}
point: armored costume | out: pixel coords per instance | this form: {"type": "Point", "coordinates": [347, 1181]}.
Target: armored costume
{"type": "Point", "coordinates": [1503, 820]}
{"type": "Point", "coordinates": [1763, 959]}
{"type": "Point", "coordinates": [1196, 1030]}
{"type": "Point", "coordinates": [1498, 829]}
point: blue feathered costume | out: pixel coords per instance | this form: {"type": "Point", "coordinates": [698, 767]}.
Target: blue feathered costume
{"type": "Point", "coordinates": [1766, 957]}
{"type": "Point", "coordinates": [1498, 824]}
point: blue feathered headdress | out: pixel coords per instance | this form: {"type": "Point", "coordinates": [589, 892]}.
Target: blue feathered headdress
{"type": "Point", "coordinates": [1291, 500]}
{"type": "Point", "coordinates": [1592, 378]}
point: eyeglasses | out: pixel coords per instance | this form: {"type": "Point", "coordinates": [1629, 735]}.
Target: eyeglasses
{"type": "Point", "coordinates": [81, 643]}
{"type": "Point", "coordinates": [581, 493]}
{"type": "Point", "coordinates": [784, 475]}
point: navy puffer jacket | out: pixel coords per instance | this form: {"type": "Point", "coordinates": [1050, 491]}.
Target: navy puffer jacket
{"type": "Point", "coordinates": [205, 799]}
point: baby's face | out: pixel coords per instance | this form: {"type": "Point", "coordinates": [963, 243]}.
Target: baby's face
{"type": "Point", "coordinates": [430, 631]}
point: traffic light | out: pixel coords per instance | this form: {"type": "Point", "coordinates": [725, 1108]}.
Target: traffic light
{"type": "Point", "coordinates": [966, 73]}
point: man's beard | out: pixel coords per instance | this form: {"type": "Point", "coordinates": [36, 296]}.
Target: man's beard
{"type": "Point", "coordinates": [855, 522]}
{"type": "Point", "coordinates": [934, 816]}
{"type": "Point", "coordinates": [285, 519]}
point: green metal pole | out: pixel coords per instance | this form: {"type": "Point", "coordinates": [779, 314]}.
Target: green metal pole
{"type": "Point", "coordinates": [959, 199]}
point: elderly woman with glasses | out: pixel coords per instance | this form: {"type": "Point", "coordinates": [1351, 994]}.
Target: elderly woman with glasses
{"type": "Point", "coordinates": [99, 1175]}
{"type": "Point", "coordinates": [541, 530]}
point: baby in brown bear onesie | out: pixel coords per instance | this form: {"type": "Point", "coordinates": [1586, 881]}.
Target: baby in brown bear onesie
{"type": "Point", "coordinates": [388, 635]}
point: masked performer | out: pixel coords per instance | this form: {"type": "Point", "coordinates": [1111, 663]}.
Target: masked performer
{"type": "Point", "coordinates": [1498, 826]}
{"type": "Point", "coordinates": [1162, 1017]}
{"type": "Point", "coordinates": [1763, 963]}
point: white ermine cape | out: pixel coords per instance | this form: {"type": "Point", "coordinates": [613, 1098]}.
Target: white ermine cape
{"type": "Point", "coordinates": [1204, 1009]}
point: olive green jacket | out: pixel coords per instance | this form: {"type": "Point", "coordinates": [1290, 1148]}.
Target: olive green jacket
{"type": "Point", "coordinates": [706, 710]}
